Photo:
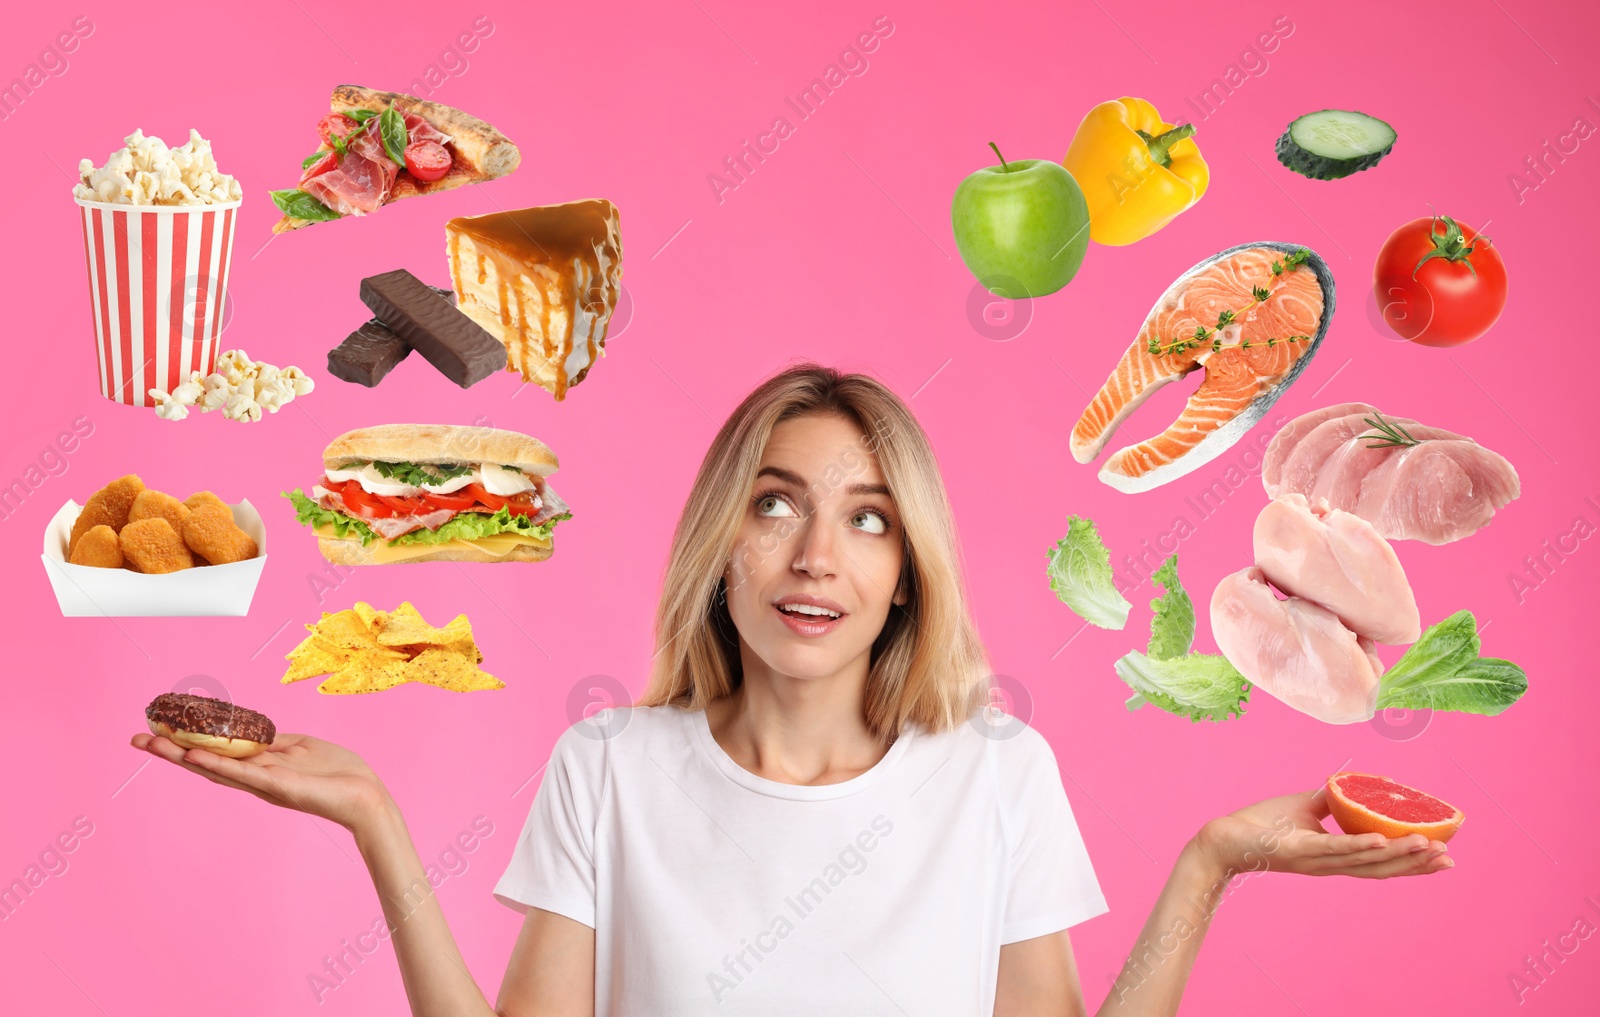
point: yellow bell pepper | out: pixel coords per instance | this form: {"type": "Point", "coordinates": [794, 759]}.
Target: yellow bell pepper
{"type": "Point", "coordinates": [1137, 171]}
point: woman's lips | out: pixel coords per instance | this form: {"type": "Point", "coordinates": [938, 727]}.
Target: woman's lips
{"type": "Point", "coordinates": [809, 625]}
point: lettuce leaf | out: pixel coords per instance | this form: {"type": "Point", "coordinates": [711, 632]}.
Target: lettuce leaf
{"type": "Point", "coordinates": [472, 525]}
{"type": "Point", "coordinates": [1080, 574]}
{"type": "Point", "coordinates": [1200, 686]}
{"type": "Point", "coordinates": [1172, 627]}
{"type": "Point", "coordinates": [1442, 671]}
{"type": "Point", "coordinates": [462, 526]}
{"type": "Point", "coordinates": [309, 513]}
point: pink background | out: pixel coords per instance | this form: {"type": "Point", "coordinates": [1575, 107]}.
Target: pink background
{"type": "Point", "coordinates": [837, 248]}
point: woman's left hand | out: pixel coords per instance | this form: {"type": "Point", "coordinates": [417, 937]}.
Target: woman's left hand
{"type": "Point", "coordinates": [1286, 835]}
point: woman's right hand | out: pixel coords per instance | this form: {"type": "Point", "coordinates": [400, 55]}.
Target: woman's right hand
{"type": "Point", "coordinates": [296, 772]}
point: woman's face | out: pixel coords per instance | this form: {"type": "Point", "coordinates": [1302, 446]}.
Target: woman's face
{"type": "Point", "coordinates": [816, 565]}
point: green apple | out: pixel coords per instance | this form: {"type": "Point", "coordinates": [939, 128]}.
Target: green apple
{"type": "Point", "coordinates": [1022, 227]}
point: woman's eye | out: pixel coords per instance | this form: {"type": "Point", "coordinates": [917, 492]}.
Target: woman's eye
{"type": "Point", "coordinates": [773, 507]}
{"type": "Point", "coordinates": [870, 522]}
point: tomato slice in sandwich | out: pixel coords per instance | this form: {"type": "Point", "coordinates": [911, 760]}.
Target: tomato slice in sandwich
{"type": "Point", "coordinates": [405, 505]}
{"type": "Point", "coordinates": [492, 502]}
{"type": "Point", "coordinates": [360, 503]}
{"type": "Point", "coordinates": [521, 505]}
{"type": "Point", "coordinates": [455, 501]}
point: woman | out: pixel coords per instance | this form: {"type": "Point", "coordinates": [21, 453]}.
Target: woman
{"type": "Point", "coordinates": [809, 811]}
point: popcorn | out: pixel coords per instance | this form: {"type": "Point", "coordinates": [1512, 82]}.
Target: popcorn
{"type": "Point", "coordinates": [217, 391]}
{"type": "Point", "coordinates": [273, 394]}
{"type": "Point", "coordinates": [240, 387]}
{"type": "Point", "coordinates": [302, 383]}
{"type": "Point", "coordinates": [190, 391]}
{"type": "Point", "coordinates": [168, 408]}
{"type": "Point", "coordinates": [146, 172]}
{"type": "Point", "coordinates": [242, 406]}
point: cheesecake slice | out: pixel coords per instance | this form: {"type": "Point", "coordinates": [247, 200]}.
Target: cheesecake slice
{"type": "Point", "coordinates": [544, 281]}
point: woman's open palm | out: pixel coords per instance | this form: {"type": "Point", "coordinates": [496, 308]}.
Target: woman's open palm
{"type": "Point", "coordinates": [1286, 834]}
{"type": "Point", "coordinates": [296, 772]}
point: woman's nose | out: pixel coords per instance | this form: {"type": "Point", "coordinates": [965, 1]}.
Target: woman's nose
{"type": "Point", "coordinates": [814, 551]}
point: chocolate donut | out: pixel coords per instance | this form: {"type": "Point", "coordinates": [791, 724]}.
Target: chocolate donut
{"type": "Point", "coordinates": [197, 722]}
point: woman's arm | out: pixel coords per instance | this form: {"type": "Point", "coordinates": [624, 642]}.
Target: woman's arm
{"type": "Point", "coordinates": [551, 973]}
{"type": "Point", "coordinates": [436, 978]}
{"type": "Point", "coordinates": [1039, 976]}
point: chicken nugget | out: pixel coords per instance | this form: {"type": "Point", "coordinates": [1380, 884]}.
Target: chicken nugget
{"type": "Point", "coordinates": [152, 545]}
{"type": "Point", "coordinates": [199, 498]}
{"type": "Point", "coordinates": [151, 504]}
{"type": "Point", "coordinates": [98, 548]}
{"type": "Point", "coordinates": [212, 534]}
{"type": "Point", "coordinates": [106, 507]}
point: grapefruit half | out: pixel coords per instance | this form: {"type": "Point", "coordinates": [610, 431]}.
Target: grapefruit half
{"type": "Point", "coordinates": [1364, 803]}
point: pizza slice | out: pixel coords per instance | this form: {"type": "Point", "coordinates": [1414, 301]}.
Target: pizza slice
{"type": "Point", "coordinates": [378, 147]}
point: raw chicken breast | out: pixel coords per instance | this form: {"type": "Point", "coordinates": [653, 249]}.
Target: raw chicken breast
{"type": "Point", "coordinates": [1295, 650]}
{"type": "Point", "coordinates": [1339, 561]}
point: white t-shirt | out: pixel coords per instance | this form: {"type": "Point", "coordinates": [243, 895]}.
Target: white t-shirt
{"type": "Point", "coordinates": [712, 890]}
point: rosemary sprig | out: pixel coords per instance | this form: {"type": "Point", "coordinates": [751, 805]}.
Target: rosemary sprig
{"type": "Point", "coordinates": [1390, 434]}
{"type": "Point", "coordinates": [1259, 294]}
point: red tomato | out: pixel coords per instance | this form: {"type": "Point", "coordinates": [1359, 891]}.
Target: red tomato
{"type": "Point", "coordinates": [405, 505]}
{"type": "Point", "coordinates": [427, 160]}
{"type": "Point", "coordinates": [360, 503]}
{"type": "Point", "coordinates": [455, 501]}
{"type": "Point", "coordinates": [334, 123]}
{"type": "Point", "coordinates": [492, 502]}
{"type": "Point", "coordinates": [328, 161]}
{"type": "Point", "coordinates": [522, 506]}
{"type": "Point", "coordinates": [1439, 283]}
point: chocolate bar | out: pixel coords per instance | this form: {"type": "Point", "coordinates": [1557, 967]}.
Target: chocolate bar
{"type": "Point", "coordinates": [452, 342]}
{"type": "Point", "coordinates": [372, 351]}
{"type": "Point", "coordinates": [367, 354]}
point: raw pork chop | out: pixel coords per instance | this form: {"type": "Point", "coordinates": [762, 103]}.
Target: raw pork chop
{"type": "Point", "coordinates": [1437, 491]}
{"type": "Point", "coordinates": [1442, 489]}
{"type": "Point", "coordinates": [1284, 442]}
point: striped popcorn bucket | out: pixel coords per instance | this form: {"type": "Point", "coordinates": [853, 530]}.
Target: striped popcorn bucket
{"type": "Point", "coordinates": [158, 282]}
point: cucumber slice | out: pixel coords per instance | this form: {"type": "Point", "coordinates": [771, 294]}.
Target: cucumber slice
{"type": "Point", "coordinates": [1334, 143]}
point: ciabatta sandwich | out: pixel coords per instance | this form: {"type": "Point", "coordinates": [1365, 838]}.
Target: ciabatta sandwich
{"type": "Point", "coordinates": [432, 492]}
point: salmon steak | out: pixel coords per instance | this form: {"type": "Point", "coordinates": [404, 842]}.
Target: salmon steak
{"type": "Point", "coordinates": [1252, 329]}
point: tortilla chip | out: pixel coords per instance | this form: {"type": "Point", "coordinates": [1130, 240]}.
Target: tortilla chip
{"type": "Point", "coordinates": [467, 648]}
{"type": "Point", "coordinates": [313, 662]}
{"type": "Point", "coordinates": [312, 657]}
{"type": "Point", "coordinates": [365, 673]}
{"type": "Point", "coordinates": [346, 629]}
{"type": "Point", "coordinates": [450, 670]}
{"type": "Point", "coordinates": [405, 628]}
{"type": "Point", "coordinates": [370, 616]}
{"type": "Point", "coordinates": [366, 650]}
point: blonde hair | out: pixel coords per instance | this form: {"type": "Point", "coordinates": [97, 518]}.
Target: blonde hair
{"type": "Point", "coordinates": [928, 664]}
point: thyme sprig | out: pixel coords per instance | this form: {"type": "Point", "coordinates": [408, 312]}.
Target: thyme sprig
{"type": "Point", "coordinates": [1203, 336]}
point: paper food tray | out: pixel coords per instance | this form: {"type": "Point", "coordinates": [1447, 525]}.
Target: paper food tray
{"type": "Point", "coordinates": [85, 591]}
